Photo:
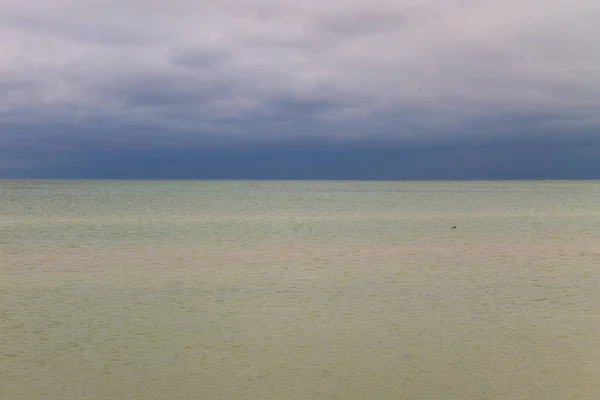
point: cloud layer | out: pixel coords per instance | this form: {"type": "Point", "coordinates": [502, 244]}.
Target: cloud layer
{"type": "Point", "coordinates": [112, 76]}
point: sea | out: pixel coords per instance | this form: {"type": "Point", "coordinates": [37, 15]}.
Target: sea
{"type": "Point", "coordinates": [299, 290]}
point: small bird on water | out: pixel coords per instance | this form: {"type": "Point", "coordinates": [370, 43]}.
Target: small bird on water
{"type": "Point", "coordinates": [454, 227]}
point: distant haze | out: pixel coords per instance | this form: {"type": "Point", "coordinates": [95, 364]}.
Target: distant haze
{"type": "Point", "coordinates": [346, 89]}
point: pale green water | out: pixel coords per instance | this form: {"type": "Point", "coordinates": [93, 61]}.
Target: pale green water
{"type": "Point", "coordinates": [299, 290]}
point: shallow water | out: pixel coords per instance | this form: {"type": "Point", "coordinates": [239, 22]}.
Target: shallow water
{"type": "Point", "coordinates": [299, 290]}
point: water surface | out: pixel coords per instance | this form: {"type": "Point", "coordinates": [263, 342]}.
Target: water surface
{"type": "Point", "coordinates": [299, 290]}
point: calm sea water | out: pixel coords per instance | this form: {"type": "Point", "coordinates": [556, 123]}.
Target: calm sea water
{"type": "Point", "coordinates": [299, 290]}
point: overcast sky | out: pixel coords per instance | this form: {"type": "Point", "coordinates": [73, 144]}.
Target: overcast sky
{"type": "Point", "coordinates": [332, 89]}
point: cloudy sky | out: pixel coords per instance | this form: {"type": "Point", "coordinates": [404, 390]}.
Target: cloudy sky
{"type": "Point", "coordinates": [334, 89]}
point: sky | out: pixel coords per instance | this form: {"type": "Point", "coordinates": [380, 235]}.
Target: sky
{"type": "Point", "coordinates": [335, 89]}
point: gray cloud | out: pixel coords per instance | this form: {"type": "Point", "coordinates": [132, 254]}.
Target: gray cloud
{"type": "Point", "coordinates": [186, 71]}
{"type": "Point", "coordinates": [201, 58]}
{"type": "Point", "coordinates": [361, 23]}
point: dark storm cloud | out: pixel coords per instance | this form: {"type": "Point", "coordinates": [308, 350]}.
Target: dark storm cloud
{"type": "Point", "coordinates": [511, 159]}
{"type": "Point", "coordinates": [363, 82]}
{"type": "Point", "coordinates": [514, 156]}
